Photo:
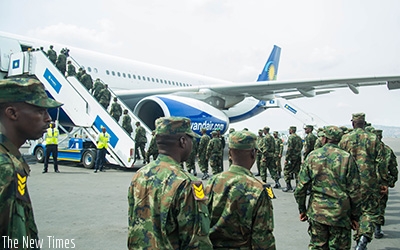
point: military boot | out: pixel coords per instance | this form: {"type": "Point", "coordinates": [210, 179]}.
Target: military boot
{"type": "Point", "coordinates": [277, 184]}
{"type": "Point", "coordinates": [378, 232]}
{"type": "Point", "coordinates": [288, 187]}
{"type": "Point", "coordinates": [362, 243]}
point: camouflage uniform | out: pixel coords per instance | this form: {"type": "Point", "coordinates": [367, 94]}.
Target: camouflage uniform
{"type": "Point", "coordinates": [105, 97]}
{"type": "Point", "coordinates": [97, 87]}
{"type": "Point", "coordinates": [309, 141]}
{"type": "Point", "coordinates": [152, 150]}
{"type": "Point", "coordinates": [140, 141]}
{"type": "Point", "coordinates": [61, 62]}
{"type": "Point", "coordinates": [202, 154]}
{"type": "Point", "coordinates": [191, 161]}
{"type": "Point", "coordinates": [126, 123]}
{"type": "Point", "coordinates": [214, 154]}
{"type": "Point", "coordinates": [278, 153]}
{"type": "Point", "coordinates": [318, 142]}
{"type": "Point", "coordinates": [52, 54]}
{"type": "Point", "coordinates": [167, 206]}
{"type": "Point", "coordinates": [116, 110]}
{"type": "Point", "coordinates": [87, 81]}
{"type": "Point", "coordinates": [332, 176]}
{"type": "Point", "coordinates": [363, 147]}
{"type": "Point", "coordinates": [240, 209]}
{"type": "Point", "coordinates": [267, 161]}
{"type": "Point", "coordinates": [390, 161]}
{"type": "Point", "coordinates": [259, 144]}
{"type": "Point", "coordinates": [70, 69]}
{"type": "Point", "coordinates": [292, 159]}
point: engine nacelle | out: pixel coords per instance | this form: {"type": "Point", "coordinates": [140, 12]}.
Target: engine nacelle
{"type": "Point", "coordinates": [201, 114]}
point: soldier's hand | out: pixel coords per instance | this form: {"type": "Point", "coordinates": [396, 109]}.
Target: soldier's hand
{"type": "Point", "coordinates": [384, 190]}
{"type": "Point", "coordinates": [354, 225]}
{"type": "Point", "coordinates": [303, 217]}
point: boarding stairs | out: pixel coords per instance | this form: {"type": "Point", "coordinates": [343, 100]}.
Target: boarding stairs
{"type": "Point", "coordinates": [79, 104]}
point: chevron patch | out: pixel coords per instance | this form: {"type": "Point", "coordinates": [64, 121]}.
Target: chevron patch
{"type": "Point", "coordinates": [21, 184]}
{"type": "Point", "coordinates": [198, 191]}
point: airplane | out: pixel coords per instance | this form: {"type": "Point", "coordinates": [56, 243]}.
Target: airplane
{"type": "Point", "coordinates": [152, 91]}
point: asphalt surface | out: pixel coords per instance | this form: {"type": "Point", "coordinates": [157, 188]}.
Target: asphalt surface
{"type": "Point", "coordinates": [80, 209]}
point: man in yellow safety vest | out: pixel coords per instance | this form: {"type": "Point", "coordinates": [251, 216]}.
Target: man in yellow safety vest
{"type": "Point", "coordinates": [102, 144]}
{"type": "Point", "coordinates": [51, 138]}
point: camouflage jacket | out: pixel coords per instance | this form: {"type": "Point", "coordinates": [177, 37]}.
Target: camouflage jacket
{"type": "Point", "coordinates": [166, 209]}
{"type": "Point", "coordinates": [126, 124]}
{"type": "Point", "coordinates": [116, 109]}
{"type": "Point", "coordinates": [294, 146]}
{"type": "Point", "coordinates": [214, 147]}
{"type": "Point", "coordinates": [364, 147]}
{"type": "Point", "coordinates": [309, 142]}
{"type": "Point", "coordinates": [278, 147]}
{"type": "Point", "coordinates": [269, 146]}
{"type": "Point", "coordinates": [204, 140]}
{"type": "Point", "coordinates": [390, 160]}
{"type": "Point", "coordinates": [334, 179]}
{"type": "Point", "coordinates": [153, 145]}
{"type": "Point", "coordinates": [140, 134]}
{"type": "Point", "coordinates": [16, 214]}
{"type": "Point", "coordinates": [240, 210]}
{"type": "Point", "coordinates": [259, 143]}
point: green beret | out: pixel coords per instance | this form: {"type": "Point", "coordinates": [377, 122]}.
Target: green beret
{"type": "Point", "coordinates": [293, 128]}
{"type": "Point", "coordinates": [26, 90]}
{"type": "Point", "coordinates": [358, 117]}
{"type": "Point", "coordinates": [242, 140]}
{"type": "Point", "coordinates": [309, 126]}
{"type": "Point", "coordinates": [174, 125]}
{"type": "Point", "coordinates": [333, 133]}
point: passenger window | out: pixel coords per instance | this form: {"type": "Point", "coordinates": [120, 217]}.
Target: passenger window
{"type": "Point", "coordinates": [113, 73]}
{"type": "Point", "coordinates": [107, 72]}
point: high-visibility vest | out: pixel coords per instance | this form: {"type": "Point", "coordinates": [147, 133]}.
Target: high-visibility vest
{"type": "Point", "coordinates": [52, 136]}
{"type": "Point", "coordinates": [103, 140]}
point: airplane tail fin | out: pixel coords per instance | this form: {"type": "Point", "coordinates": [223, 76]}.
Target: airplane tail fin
{"type": "Point", "coordinates": [270, 70]}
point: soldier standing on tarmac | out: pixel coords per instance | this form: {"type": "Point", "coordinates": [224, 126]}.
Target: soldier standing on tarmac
{"type": "Point", "coordinates": [214, 154]}
{"type": "Point", "coordinates": [267, 161]}
{"type": "Point", "coordinates": [292, 158]}
{"type": "Point", "coordinates": [152, 150]}
{"type": "Point", "coordinates": [259, 144]}
{"type": "Point", "coordinates": [278, 153]}
{"type": "Point", "coordinates": [191, 161]}
{"type": "Point", "coordinates": [202, 153]}
{"type": "Point", "coordinates": [309, 140]}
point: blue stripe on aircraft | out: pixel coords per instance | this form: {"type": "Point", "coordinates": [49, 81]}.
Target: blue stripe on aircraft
{"type": "Point", "coordinates": [255, 111]}
{"type": "Point", "coordinates": [98, 122]}
{"type": "Point", "coordinates": [52, 80]}
{"type": "Point", "coordinates": [290, 109]}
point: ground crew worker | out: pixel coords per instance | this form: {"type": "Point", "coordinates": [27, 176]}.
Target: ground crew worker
{"type": "Point", "coordinates": [167, 206]}
{"type": "Point", "coordinates": [52, 54]}
{"type": "Point", "coordinates": [214, 154]}
{"type": "Point", "coordinates": [278, 154]}
{"type": "Point", "coordinates": [202, 153]}
{"type": "Point", "coordinates": [332, 176]}
{"type": "Point", "coordinates": [51, 139]}
{"type": "Point", "coordinates": [240, 208]}
{"type": "Point", "coordinates": [102, 144]}
{"type": "Point", "coordinates": [292, 158]}
{"type": "Point", "coordinates": [71, 71]}
{"type": "Point", "coordinates": [364, 146]}
{"type": "Point", "coordinates": [126, 122]}
{"type": "Point", "coordinates": [140, 141]}
{"type": "Point", "coordinates": [309, 140]}
{"type": "Point", "coordinates": [152, 150]}
{"type": "Point", "coordinates": [259, 144]}
{"type": "Point", "coordinates": [116, 110]}
{"type": "Point", "coordinates": [23, 116]}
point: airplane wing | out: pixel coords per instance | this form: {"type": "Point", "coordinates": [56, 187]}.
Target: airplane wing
{"type": "Point", "coordinates": [289, 89]}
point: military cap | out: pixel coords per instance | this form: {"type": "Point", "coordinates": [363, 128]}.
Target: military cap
{"type": "Point", "coordinates": [174, 125]}
{"type": "Point", "coordinates": [309, 126]}
{"type": "Point", "coordinates": [293, 128]}
{"type": "Point", "coordinates": [321, 133]}
{"type": "Point", "coordinates": [358, 117]}
{"type": "Point", "coordinates": [333, 133]}
{"type": "Point", "coordinates": [378, 132]}
{"type": "Point", "coordinates": [214, 132]}
{"type": "Point", "coordinates": [242, 140]}
{"type": "Point", "coordinates": [26, 90]}
{"type": "Point", "coordinates": [245, 129]}
{"type": "Point", "coordinates": [275, 132]}
{"type": "Point", "coordinates": [260, 130]}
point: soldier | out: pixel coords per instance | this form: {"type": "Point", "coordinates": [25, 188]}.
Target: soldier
{"type": "Point", "coordinates": [116, 110]}
{"type": "Point", "coordinates": [267, 161]}
{"type": "Point", "coordinates": [61, 62]}
{"type": "Point", "coordinates": [97, 87]}
{"type": "Point", "coordinates": [309, 140]}
{"type": "Point", "coordinates": [259, 144]}
{"type": "Point", "coordinates": [214, 154]}
{"type": "Point", "coordinates": [51, 139]}
{"type": "Point", "coordinates": [126, 122]}
{"type": "Point", "coordinates": [334, 206]}
{"type": "Point", "coordinates": [202, 153]}
{"type": "Point", "coordinates": [191, 161]}
{"type": "Point", "coordinates": [240, 208]}
{"type": "Point", "coordinates": [390, 162]}
{"type": "Point", "coordinates": [86, 80]}
{"type": "Point", "coordinates": [318, 142]}
{"type": "Point", "coordinates": [363, 146]}
{"type": "Point", "coordinates": [102, 144]}
{"type": "Point", "coordinates": [222, 139]}
{"type": "Point", "coordinates": [231, 130]}
{"type": "Point", "coordinates": [71, 71]}
{"type": "Point", "coordinates": [140, 141]}
{"type": "Point", "coordinates": [23, 116]}
{"type": "Point", "coordinates": [278, 154]}
{"type": "Point", "coordinates": [52, 54]}
{"type": "Point", "coordinates": [79, 74]}
{"type": "Point", "coordinates": [167, 206]}
{"type": "Point", "coordinates": [152, 150]}
{"type": "Point", "coordinates": [105, 97]}
{"type": "Point", "coordinates": [292, 158]}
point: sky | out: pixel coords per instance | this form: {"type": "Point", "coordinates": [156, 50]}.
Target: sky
{"type": "Point", "coordinates": [232, 39]}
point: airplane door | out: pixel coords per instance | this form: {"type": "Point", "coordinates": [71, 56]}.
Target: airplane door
{"type": "Point", "coordinates": [7, 47]}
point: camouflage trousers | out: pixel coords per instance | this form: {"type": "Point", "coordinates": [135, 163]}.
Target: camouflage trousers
{"type": "Point", "coordinates": [328, 237]}
{"type": "Point", "coordinates": [190, 164]}
{"type": "Point", "coordinates": [140, 145]}
{"type": "Point", "coordinates": [382, 206]}
{"type": "Point", "coordinates": [215, 164]}
{"type": "Point", "coordinates": [258, 162]}
{"type": "Point", "coordinates": [292, 169]}
{"type": "Point", "coordinates": [369, 216]}
{"type": "Point", "coordinates": [278, 165]}
{"type": "Point", "coordinates": [153, 153]}
{"type": "Point", "coordinates": [203, 163]}
{"type": "Point", "coordinates": [268, 164]}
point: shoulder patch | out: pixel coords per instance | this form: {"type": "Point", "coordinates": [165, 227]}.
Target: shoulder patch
{"type": "Point", "coordinates": [269, 190]}
{"type": "Point", "coordinates": [198, 190]}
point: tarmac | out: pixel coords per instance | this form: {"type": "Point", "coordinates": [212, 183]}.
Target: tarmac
{"type": "Point", "coordinates": [80, 209]}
